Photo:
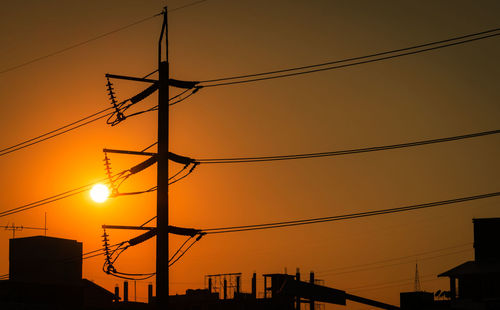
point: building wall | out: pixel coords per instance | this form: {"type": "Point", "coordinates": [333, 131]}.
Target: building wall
{"type": "Point", "coordinates": [43, 259]}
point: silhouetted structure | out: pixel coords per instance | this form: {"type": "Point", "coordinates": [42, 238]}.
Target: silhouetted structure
{"type": "Point", "coordinates": [46, 273]}
{"type": "Point", "coordinates": [476, 284]}
{"type": "Point", "coordinates": [417, 300]}
{"type": "Point", "coordinates": [281, 292]}
{"type": "Point", "coordinates": [45, 260]}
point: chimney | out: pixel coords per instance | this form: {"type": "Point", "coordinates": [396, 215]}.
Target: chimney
{"type": "Point", "coordinates": [297, 298]}
{"type": "Point", "coordinates": [150, 293]}
{"type": "Point", "coordinates": [311, 280]}
{"type": "Point", "coordinates": [117, 293]}
{"type": "Point", "coordinates": [254, 285]}
{"type": "Point", "coordinates": [125, 291]}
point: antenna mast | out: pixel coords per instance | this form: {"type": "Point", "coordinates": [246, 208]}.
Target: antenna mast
{"type": "Point", "coordinates": [417, 286]}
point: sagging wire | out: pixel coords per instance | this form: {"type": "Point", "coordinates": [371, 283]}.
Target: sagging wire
{"type": "Point", "coordinates": [119, 114]}
{"type": "Point", "coordinates": [155, 108]}
{"type": "Point", "coordinates": [154, 188]}
{"type": "Point", "coordinates": [112, 256]}
{"type": "Point", "coordinates": [122, 178]}
{"type": "Point", "coordinates": [124, 175]}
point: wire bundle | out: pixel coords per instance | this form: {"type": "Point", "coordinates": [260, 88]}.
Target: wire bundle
{"type": "Point", "coordinates": [54, 198]}
{"type": "Point", "coordinates": [344, 152]}
{"type": "Point", "coordinates": [349, 62]}
{"type": "Point", "coordinates": [345, 216]}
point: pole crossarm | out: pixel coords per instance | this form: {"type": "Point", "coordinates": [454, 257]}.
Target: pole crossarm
{"type": "Point", "coordinates": [181, 231]}
{"type": "Point", "coordinates": [172, 156]}
{"type": "Point", "coordinates": [128, 152]}
{"type": "Point", "coordinates": [171, 82]}
{"type": "Point", "coordinates": [127, 227]}
{"type": "Point", "coordinates": [130, 78]}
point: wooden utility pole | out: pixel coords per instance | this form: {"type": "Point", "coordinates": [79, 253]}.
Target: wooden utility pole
{"type": "Point", "coordinates": [162, 277]}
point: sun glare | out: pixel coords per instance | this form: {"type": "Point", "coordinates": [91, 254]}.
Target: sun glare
{"type": "Point", "coordinates": [99, 193]}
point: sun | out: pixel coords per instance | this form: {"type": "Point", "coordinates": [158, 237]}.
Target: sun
{"type": "Point", "coordinates": [99, 193]}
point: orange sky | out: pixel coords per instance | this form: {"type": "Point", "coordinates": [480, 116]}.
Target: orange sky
{"type": "Point", "coordinates": [443, 93]}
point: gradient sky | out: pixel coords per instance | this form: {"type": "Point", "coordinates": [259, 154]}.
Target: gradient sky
{"type": "Point", "coordinates": [443, 93]}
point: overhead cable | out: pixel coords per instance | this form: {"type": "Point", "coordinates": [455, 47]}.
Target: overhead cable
{"type": "Point", "coordinates": [95, 38]}
{"type": "Point", "coordinates": [122, 176]}
{"type": "Point", "coordinates": [232, 160]}
{"type": "Point", "coordinates": [273, 225]}
{"type": "Point", "coordinates": [77, 124]}
{"type": "Point", "coordinates": [78, 44]}
{"type": "Point", "coordinates": [341, 269]}
{"type": "Point", "coordinates": [53, 198]}
{"type": "Point", "coordinates": [474, 37]}
{"type": "Point", "coordinates": [353, 61]}
{"type": "Point", "coordinates": [410, 261]}
{"type": "Point", "coordinates": [56, 132]}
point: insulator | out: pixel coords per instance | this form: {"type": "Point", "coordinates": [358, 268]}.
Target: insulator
{"type": "Point", "coordinates": [106, 249]}
{"type": "Point", "coordinates": [107, 168]}
{"type": "Point", "coordinates": [112, 95]}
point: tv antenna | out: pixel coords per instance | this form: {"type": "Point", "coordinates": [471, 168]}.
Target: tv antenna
{"type": "Point", "coordinates": [13, 227]}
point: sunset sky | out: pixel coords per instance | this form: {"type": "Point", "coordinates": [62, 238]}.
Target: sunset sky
{"type": "Point", "coordinates": [442, 93]}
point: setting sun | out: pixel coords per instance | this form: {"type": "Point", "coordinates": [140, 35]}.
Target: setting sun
{"type": "Point", "coordinates": [99, 193]}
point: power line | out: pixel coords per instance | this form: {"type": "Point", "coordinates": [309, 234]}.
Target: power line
{"type": "Point", "coordinates": [383, 284]}
{"type": "Point", "coordinates": [343, 152]}
{"type": "Point", "coordinates": [394, 264]}
{"type": "Point", "coordinates": [352, 58]}
{"type": "Point", "coordinates": [185, 6]}
{"type": "Point", "coordinates": [95, 38]}
{"type": "Point", "coordinates": [26, 143]}
{"type": "Point", "coordinates": [375, 58]}
{"type": "Point", "coordinates": [78, 44]}
{"type": "Point", "coordinates": [328, 271]}
{"type": "Point", "coordinates": [272, 225]}
{"type": "Point", "coordinates": [247, 160]}
{"type": "Point", "coordinates": [75, 125]}
{"type": "Point", "coordinates": [56, 132]}
{"type": "Point", "coordinates": [118, 176]}
{"type": "Point", "coordinates": [54, 198]}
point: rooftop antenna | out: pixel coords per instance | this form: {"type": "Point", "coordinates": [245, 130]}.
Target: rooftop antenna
{"type": "Point", "coordinates": [15, 228]}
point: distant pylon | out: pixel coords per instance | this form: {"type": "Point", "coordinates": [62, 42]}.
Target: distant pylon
{"type": "Point", "coordinates": [417, 287]}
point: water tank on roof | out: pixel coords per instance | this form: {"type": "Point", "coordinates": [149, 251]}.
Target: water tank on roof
{"type": "Point", "coordinates": [486, 239]}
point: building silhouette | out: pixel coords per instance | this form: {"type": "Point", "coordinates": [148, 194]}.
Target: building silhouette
{"type": "Point", "coordinates": [476, 284]}
{"type": "Point", "coordinates": [46, 273]}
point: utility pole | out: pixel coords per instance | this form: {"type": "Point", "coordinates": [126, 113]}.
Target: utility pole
{"type": "Point", "coordinates": [162, 276]}
{"type": "Point", "coordinates": [162, 157]}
